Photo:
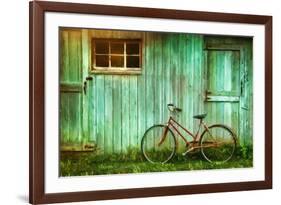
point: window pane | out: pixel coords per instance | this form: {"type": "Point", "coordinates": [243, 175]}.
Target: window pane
{"type": "Point", "coordinates": [117, 61]}
{"type": "Point", "coordinates": [102, 47]}
{"type": "Point", "coordinates": [133, 61]}
{"type": "Point", "coordinates": [102, 61]}
{"type": "Point", "coordinates": [132, 48]}
{"type": "Point", "coordinates": [117, 48]}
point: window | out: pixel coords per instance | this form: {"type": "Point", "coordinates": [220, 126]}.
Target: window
{"type": "Point", "coordinates": [120, 56]}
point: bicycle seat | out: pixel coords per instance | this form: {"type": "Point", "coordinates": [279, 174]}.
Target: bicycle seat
{"type": "Point", "coordinates": [178, 109]}
{"type": "Point", "coordinates": [200, 117]}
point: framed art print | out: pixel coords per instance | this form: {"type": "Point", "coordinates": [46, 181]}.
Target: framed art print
{"type": "Point", "coordinates": [136, 102]}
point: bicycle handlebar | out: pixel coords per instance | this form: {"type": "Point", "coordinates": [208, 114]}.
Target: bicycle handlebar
{"type": "Point", "coordinates": [173, 108]}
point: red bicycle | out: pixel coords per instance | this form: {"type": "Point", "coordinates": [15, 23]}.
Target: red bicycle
{"type": "Point", "coordinates": [217, 142]}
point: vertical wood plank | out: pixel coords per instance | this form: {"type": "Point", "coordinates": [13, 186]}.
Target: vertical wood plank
{"type": "Point", "coordinates": [191, 82]}
{"type": "Point", "coordinates": [74, 117]}
{"type": "Point", "coordinates": [125, 137]}
{"type": "Point", "coordinates": [117, 114]}
{"type": "Point", "coordinates": [108, 121]}
{"type": "Point", "coordinates": [141, 104]}
{"type": "Point", "coordinates": [100, 112]}
{"type": "Point", "coordinates": [64, 104]}
{"type": "Point", "coordinates": [186, 84]}
{"type": "Point", "coordinates": [64, 56]}
{"type": "Point", "coordinates": [149, 81]}
{"type": "Point", "coordinates": [202, 75]}
{"type": "Point", "coordinates": [75, 60]}
{"type": "Point", "coordinates": [85, 107]}
{"type": "Point", "coordinates": [133, 112]}
{"type": "Point", "coordinates": [165, 74]}
{"type": "Point", "coordinates": [64, 116]}
{"type": "Point", "coordinates": [93, 109]}
{"type": "Point", "coordinates": [249, 89]}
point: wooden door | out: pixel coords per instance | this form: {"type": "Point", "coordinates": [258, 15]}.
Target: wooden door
{"type": "Point", "coordinates": [71, 89]}
{"type": "Point", "coordinates": [223, 86]}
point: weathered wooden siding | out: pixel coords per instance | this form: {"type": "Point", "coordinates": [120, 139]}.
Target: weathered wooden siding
{"type": "Point", "coordinates": [124, 106]}
{"type": "Point", "coordinates": [119, 108]}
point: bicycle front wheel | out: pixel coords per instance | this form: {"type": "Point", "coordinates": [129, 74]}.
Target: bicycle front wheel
{"type": "Point", "coordinates": [218, 143]}
{"type": "Point", "coordinates": [158, 144]}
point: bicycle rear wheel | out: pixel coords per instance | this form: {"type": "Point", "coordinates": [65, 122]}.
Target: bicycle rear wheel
{"type": "Point", "coordinates": [158, 144]}
{"type": "Point", "coordinates": [218, 143]}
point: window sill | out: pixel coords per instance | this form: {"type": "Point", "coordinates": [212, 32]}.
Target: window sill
{"type": "Point", "coordinates": [117, 72]}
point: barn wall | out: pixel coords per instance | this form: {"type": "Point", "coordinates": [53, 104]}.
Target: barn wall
{"type": "Point", "coordinates": [117, 109]}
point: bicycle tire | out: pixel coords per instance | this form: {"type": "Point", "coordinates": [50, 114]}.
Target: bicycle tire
{"type": "Point", "coordinates": [153, 152]}
{"type": "Point", "coordinates": [224, 141]}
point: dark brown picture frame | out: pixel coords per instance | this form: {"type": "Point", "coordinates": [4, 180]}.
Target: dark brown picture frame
{"type": "Point", "coordinates": [37, 10]}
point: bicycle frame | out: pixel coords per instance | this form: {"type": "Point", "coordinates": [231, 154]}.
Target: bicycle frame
{"type": "Point", "coordinates": [172, 123]}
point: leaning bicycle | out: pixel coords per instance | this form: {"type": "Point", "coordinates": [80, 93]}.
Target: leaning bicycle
{"type": "Point", "coordinates": [217, 142]}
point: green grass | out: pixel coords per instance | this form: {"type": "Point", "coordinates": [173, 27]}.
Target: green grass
{"type": "Point", "coordinates": [89, 163]}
